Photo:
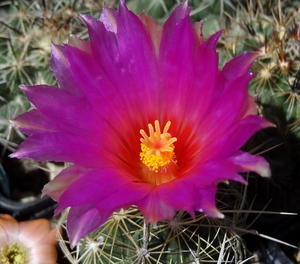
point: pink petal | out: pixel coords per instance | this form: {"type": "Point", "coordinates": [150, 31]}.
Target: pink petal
{"type": "Point", "coordinates": [63, 180]}
{"type": "Point", "coordinates": [50, 238]}
{"type": "Point", "coordinates": [99, 210]}
{"type": "Point", "coordinates": [198, 33]}
{"type": "Point", "coordinates": [79, 44]}
{"type": "Point", "coordinates": [154, 208]}
{"type": "Point", "coordinates": [196, 102]}
{"type": "Point", "coordinates": [33, 122]}
{"type": "Point", "coordinates": [60, 67]}
{"type": "Point", "coordinates": [100, 184]}
{"type": "Point", "coordinates": [250, 105]}
{"type": "Point", "coordinates": [3, 237]}
{"type": "Point", "coordinates": [196, 190]}
{"type": "Point", "coordinates": [233, 69]}
{"type": "Point", "coordinates": [213, 172]}
{"type": "Point", "coordinates": [180, 195]}
{"type": "Point", "coordinates": [246, 162]}
{"type": "Point", "coordinates": [79, 116]}
{"type": "Point", "coordinates": [81, 222]}
{"type": "Point", "coordinates": [104, 64]}
{"type": "Point", "coordinates": [127, 62]}
{"type": "Point", "coordinates": [137, 62]}
{"type": "Point", "coordinates": [230, 108]}
{"type": "Point", "coordinates": [234, 138]}
{"type": "Point", "coordinates": [176, 59]}
{"type": "Point", "coordinates": [103, 44]}
{"type": "Point", "coordinates": [10, 227]}
{"type": "Point", "coordinates": [154, 30]}
{"type": "Point", "coordinates": [34, 231]}
{"type": "Point", "coordinates": [209, 204]}
{"type": "Point", "coordinates": [100, 90]}
{"type": "Point", "coordinates": [93, 186]}
{"type": "Point", "coordinates": [43, 254]}
{"type": "Point", "coordinates": [109, 19]}
{"type": "Point", "coordinates": [91, 79]}
{"type": "Point", "coordinates": [176, 16]}
{"type": "Point", "coordinates": [198, 99]}
{"type": "Point", "coordinates": [55, 146]}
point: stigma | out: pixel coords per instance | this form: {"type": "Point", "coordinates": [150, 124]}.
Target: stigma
{"type": "Point", "coordinates": [157, 154]}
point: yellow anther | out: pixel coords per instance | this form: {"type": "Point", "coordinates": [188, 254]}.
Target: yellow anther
{"type": "Point", "coordinates": [157, 149]}
{"type": "Point", "coordinates": [13, 254]}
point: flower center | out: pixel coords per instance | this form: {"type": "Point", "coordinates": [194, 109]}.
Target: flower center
{"type": "Point", "coordinates": [157, 154]}
{"type": "Point", "coordinates": [13, 254]}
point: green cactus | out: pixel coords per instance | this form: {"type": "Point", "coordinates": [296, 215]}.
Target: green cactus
{"type": "Point", "coordinates": [272, 30]}
{"type": "Point", "coordinates": [125, 238]}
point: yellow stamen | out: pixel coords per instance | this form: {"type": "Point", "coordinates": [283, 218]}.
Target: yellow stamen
{"type": "Point", "coordinates": [157, 152]}
{"type": "Point", "coordinates": [13, 254]}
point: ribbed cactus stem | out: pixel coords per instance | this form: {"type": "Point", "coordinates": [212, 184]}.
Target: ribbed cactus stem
{"type": "Point", "coordinates": [143, 251]}
{"type": "Point", "coordinates": [126, 238]}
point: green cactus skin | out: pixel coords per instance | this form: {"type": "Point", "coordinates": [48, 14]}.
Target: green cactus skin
{"type": "Point", "coordinates": [272, 29]}
{"type": "Point", "coordinates": [125, 238]}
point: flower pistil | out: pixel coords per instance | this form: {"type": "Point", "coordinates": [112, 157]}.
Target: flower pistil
{"type": "Point", "coordinates": [157, 154]}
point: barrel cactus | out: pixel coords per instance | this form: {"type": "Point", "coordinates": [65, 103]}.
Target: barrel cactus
{"type": "Point", "coordinates": [125, 238]}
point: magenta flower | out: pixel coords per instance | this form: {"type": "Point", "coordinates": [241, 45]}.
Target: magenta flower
{"type": "Point", "coordinates": [145, 117]}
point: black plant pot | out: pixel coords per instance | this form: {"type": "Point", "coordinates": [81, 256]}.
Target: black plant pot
{"type": "Point", "coordinates": [20, 179]}
{"type": "Point", "coordinates": [39, 208]}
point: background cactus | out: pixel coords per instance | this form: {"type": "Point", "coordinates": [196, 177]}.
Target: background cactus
{"type": "Point", "coordinates": [270, 28]}
{"type": "Point", "coordinates": [27, 29]}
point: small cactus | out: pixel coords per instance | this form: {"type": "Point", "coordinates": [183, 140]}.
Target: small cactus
{"type": "Point", "coordinates": [271, 30]}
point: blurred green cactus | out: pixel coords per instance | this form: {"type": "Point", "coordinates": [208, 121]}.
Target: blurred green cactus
{"type": "Point", "coordinates": [272, 29]}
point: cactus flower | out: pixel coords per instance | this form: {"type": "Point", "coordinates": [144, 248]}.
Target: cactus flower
{"type": "Point", "coordinates": [144, 116]}
{"type": "Point", "coordinates": [27, 242]}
